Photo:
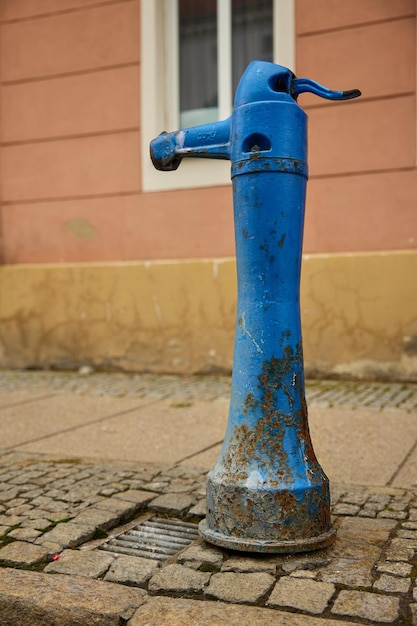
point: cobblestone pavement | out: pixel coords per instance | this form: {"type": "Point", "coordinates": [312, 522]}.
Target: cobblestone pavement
{"type": "Point", "coordinates": [326, 393]}
{"type": "Point", "coordinates": [58, 515]}
{"type": "Point", "coordinates": [55, 518]}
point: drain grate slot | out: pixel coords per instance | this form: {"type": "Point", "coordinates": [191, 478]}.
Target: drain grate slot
{"type": "Point", "coordinates": [156, 538]}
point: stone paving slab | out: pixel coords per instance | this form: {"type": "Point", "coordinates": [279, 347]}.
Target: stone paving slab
{"type": "Point", "coordinates": [178, 430]}
{"type": "Point", "coordinates": [339, 437]}
{"type": "Point", "coordinates": [23, 422]}
{"type": "Point", "coordinates": [408, 472]}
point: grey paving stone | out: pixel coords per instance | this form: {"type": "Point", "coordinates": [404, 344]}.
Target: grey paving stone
{"type": "Point", "coordinates": [110, 491]}
{"type": "Point", "coordinates": [375, 531]}
{"type": "Point", "coordinates": [37, 524]}
{"type": "Point", "coordinates": [304, 573]}
{"type": "Point", "coordinates": [10, 494]}
{"type": "Point", "coordinates": [16, 502]}
{"type": "Point", "coordinates": [397, 515]}
{"type": "Point", "coordinates": [173, 503]}
{"type": "Point", "coordinates": [125, 510]}
{"type": "Point", "coordinates": [354, 549]}
{"type": "Point", "coordinates": [156, 485]}
{"type": "Point", "coordinates": [349, 572]}
{"type": "Point", "coordinates": [343, 508]}
{"type": "Point", "coordinates": [22, 553]}
{"type": "Point", "coordinates": [99, 518]}
{"type": "Point", "coordinates": [413, 611]}
{"type": "Point", "coordinates": [365, 605]}
{"type": "Point", "coordinates": [178, 578]}
{"type": "Point", "coordinates": [365, 512]}
{"type": "Point", "coordinates": [355, 498]}
{"type": "Point", "coordinates": [200, 509]}
{"type": "Point", "coordinates": [202, 553]}
{"type": "Point", "coordinates": [35, 598]}
{"type": "Point", "coordinates": [139, 497]}
{"type": "Point", "coordinates": [239, 588]}
{"type": "Point", "coordinates": [82, 563]}
{"type": "Point", "coordinates": [250, 564]}
{"type": "Point", "coordinates": [55, 506]}
{"type": "Point", "coordinates": [68, 535]}
{"type": "Point", "coordinates": [37, 514]}
{"type": "Point", "coordinates": [131, 570]}
{"type": "Point", "coordinates": [302, 594]}
{"type": "Point", "coordinates": [24, 534]}
{"type": "Point", "coordinates": [52, 549]}
{"type": "Point", "coordinates": [392, 584]}
{"type": "Point", "coordinates": [407, 533]}
{"type": "Point", "coordinates": [310, 561]}
{"type": "Point", "coordinates": [397, 569]}
{"type": "Point", "coordinates": [399, 551]}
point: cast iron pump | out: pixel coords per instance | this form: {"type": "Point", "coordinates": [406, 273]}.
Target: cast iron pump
{"type": "Point", "coordinates": [267, 491]}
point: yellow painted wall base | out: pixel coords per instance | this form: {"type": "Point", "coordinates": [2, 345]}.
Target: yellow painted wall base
{"type": "Point", "coordinates": [359, 314]}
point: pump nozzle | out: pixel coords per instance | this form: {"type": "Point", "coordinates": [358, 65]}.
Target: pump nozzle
{"type": "Point", "coordinates": [301, 85]}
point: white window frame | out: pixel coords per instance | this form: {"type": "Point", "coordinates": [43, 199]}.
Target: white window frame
{"type": "Point", "coordinates": [160, 86]}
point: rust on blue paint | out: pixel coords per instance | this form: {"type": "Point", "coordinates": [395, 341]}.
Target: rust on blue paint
{"type": "Point", "coordinates": [266, 492]}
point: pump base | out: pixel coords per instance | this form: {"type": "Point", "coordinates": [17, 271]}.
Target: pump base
{"type": "Point", "coordinates": [277, 547]}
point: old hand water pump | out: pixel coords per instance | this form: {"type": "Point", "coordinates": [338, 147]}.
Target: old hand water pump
{"type": "Point", "coordinates": [267, 491]}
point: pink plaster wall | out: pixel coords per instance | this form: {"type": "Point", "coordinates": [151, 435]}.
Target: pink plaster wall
{"type": "Point", "coordinates": [70, 136]}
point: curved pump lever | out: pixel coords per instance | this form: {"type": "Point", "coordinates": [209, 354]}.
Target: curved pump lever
{"type": "Point", "coordinates": [301, 85]}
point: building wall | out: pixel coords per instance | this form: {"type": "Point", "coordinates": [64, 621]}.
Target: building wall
{"type": "Point", "coordinates": [363, 177]}
{"type": "Point", "coordinates": [88, 257]}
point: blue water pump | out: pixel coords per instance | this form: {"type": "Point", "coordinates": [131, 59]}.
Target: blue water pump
{"type": "Point", "coordinates": [267, 491]}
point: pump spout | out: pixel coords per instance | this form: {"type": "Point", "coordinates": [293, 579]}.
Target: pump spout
{"type": "Point", "coordinates": [207, 140]}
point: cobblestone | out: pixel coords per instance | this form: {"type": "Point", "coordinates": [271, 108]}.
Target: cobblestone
{"type": "Point", "coordinates": [302, 594]}
{"type": "Point", "coordinates": [372, 606]}
{"type": "Point", "coordinates": [239, 588]}
{"type": "Point", "coordinates": [172, 503]}
{"type": "Point", "coordinates": [68, 535]}
{"type": "Point", "coordinates": [24, 534]}
{"type": "Point", "coordinates": [92, 564]}
{"type": "Point", "coordinates": [349, 572]}
{"type": "Point", "coordinates": [22, 553]}
{"type": "Point", "coordinates": [244, 564]}
{"type": "Point", "coordinates": [397, 569]}
{"type": "Point", "coordinates": [179, 579]}
{"type": "Point", "coordinates": [133, 571]}
{"type": "Point", "coordinates": [378, 396]}
{"type": "Point", "coordinates": [202, 554]}
{"type": "Point", "coordinates": [392, 584]}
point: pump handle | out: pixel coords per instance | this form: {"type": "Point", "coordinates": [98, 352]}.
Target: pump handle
{"type": "Point", "coordinates": [301, 85]}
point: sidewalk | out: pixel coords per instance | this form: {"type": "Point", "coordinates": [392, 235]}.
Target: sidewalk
{"type": "Point", "coordinates": [85, 459]}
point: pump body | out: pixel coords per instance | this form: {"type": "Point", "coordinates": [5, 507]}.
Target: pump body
{"type": "Point", "coordinates": [267, 491]}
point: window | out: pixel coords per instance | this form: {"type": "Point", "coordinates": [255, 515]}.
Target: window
{"type": "Point", "coordinates": [193, 53]}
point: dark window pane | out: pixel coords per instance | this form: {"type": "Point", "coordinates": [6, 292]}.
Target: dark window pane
{"type": "Point", "coordinates": [252, 34]}
{"type": "Point", "coordinates": [198, 61]}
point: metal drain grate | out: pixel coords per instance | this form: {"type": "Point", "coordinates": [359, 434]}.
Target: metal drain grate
{"type": "Point", "coordinates": [156, 538]}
